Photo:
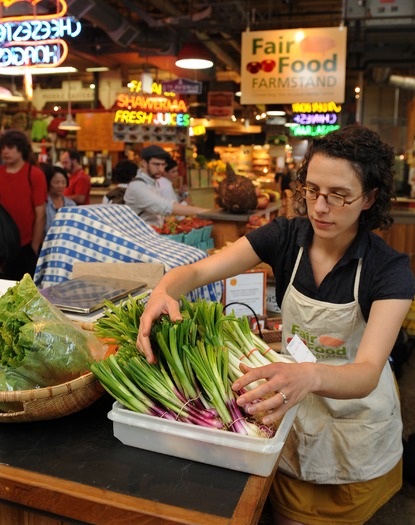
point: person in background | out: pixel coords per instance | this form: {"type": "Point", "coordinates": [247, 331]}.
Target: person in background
{"type": "Point", "coordinates": [79, 182]}
{"type": "Point", "coordinates": [343, 291]}
{"type": "Point", "coordinates": [166, 183]}
{"type": "Point", "coordinates": [143, 196]}
{"type": "Point", "coordinates": [23, 193]}
{"type": "Point", "coordinates": [124, 172]}
{"type": "Point", "coordinates": [57, 181]}
{"type": "Point", "coordinates": [283, 179]}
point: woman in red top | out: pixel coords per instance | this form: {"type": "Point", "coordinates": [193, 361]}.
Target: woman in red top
{"type": "Point", "coordinates": [23, 193]}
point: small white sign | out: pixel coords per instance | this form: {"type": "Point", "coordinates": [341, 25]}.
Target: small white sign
{"type": "Point", "coordinates": [300, 351]}
{"type": "Point", "coordinates": [245, 289]}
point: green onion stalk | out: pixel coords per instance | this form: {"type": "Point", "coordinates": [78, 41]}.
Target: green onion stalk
{"type": "Point", "coordinates": [198, 359]}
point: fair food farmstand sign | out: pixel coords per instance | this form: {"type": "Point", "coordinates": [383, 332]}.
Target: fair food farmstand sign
{"type": "Point", "coordinates": [293, 65]}
{"type": "Point", "coordinates": [34, 39]}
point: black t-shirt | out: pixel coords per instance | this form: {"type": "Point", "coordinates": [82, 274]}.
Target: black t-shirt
{"type": "Point", "coordinates": [386, 273]}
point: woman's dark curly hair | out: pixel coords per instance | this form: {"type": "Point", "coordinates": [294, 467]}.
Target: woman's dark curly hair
{"type": "Point", "coordinates": [371, 159]}
{"type": "Point", "coordinates": [15, 137]}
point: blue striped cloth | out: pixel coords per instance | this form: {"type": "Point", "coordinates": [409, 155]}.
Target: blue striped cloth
{"type": "Point", "coordinates": [104, 233]}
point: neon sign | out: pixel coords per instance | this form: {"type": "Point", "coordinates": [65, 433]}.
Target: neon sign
{"type": "Point", "coordinates": [314, 118]}
{"type": "Point", "coordinates": [61, 9]}
{"type": "Point", "coordinates": [316, 107]}
{"type": "Point", "coordinates": [312, 131]}
{"type": "Point", "coordinates": [151, 109]}
{"type": "Point", "coordinates": [29, 42]}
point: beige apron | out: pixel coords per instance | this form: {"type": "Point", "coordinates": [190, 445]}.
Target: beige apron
{"type": "Point", "coordinates": [338, 441]}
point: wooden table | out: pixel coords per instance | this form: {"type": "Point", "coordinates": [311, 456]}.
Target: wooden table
{"type": "Point", "coordinates": [74, 468]}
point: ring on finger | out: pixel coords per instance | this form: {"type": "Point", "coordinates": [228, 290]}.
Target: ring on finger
{"type": "Point", "coordinates": [284, 397]}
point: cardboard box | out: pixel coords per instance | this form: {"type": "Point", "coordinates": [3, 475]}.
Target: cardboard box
{"type": "Point", "coordinates": [150, 273]}
{"type": "Point", "coordinates": [253, 455]}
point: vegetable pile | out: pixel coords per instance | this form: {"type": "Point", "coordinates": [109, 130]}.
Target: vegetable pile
{"type": "Point", "coordinates": [39, 345]}
{"type": "Point", "coordinates": [197, 361]}
{"type": "Point", "coordinates": [173, 225]}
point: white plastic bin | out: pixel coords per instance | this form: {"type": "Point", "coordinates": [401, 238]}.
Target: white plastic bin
{"type": "Point", "coordinates": [253, 455]}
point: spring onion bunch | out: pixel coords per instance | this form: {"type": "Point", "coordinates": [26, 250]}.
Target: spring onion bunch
{"type": "Point", "coordinates": [197, 362]}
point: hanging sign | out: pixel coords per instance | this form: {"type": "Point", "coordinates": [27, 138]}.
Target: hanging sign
{"type": "Point", "coordinates": [220, 103]}
{"type": "Point", "coordinates": [35, 39]}
{"type": "Point", "coordinates": [183, 86]}
{"type": "Point", "coordinates": [293, 65]}
{"type": "Point", "coordinates": [155, 109]}
{"type": "Point", "coordinates": [314, 119]}
{"type": "Point", "coordinates": [160, 116]}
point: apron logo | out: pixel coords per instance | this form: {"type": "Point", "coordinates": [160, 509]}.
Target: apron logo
{"type": "Point", "coordinates": [323, 346]}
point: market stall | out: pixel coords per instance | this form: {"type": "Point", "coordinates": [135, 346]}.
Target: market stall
{"type": "Point", "coordinates": [228, 227]}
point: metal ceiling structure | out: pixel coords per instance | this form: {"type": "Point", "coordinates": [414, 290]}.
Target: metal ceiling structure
{"type": "Point", "coordinates": [133, 36]}
{"type": "Point", "coordinates": [136, 35]}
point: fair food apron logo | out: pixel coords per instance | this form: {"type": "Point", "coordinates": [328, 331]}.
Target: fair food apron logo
{"type": "Point", "coordinates": [323, 346]}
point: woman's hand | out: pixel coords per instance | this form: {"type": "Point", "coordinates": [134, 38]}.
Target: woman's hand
{"type": "Point", "coordinates": [159, 303]}
{"type": "Point", "coordinates": [285, 385]}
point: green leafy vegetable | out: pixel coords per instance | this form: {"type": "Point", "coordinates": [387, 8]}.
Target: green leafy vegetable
{"type": "Point", "coordinates": [39, 345]}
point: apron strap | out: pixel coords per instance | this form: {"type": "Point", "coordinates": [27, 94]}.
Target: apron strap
{"type": "Point", "coordinates": [357, 280]}
{"type": "Point", "coordinates": [297, 262]}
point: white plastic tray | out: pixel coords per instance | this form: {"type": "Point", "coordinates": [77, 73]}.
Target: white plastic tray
{"type": "Point", "coordinates": [214, 447]}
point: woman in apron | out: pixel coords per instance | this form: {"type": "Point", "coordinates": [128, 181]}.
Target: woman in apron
{"type": "Point", "coordinates": [345, 293]}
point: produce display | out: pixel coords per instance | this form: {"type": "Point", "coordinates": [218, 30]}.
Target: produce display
{"type": "Point", "coordinates": [197, 362]}
{"type": "Point", "coordinates": [39, 345]}
{"type": "Point", "coordinates": [266, 196]}
{"type": "Point", "coordinates": [173, 225]}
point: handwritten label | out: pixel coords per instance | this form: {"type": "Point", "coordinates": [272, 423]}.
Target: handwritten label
{"type": "Point", "coordinates": [299, 351]}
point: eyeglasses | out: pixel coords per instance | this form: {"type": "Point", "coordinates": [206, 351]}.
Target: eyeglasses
{"type": "Point", "coordinates": [332, 199]}
{"type": "Point", "coordinates": [158, 164]}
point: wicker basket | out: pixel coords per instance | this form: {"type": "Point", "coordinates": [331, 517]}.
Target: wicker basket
{"type": "Point", "coordinates": [51, 402]}
{"type": "Point", "coordinates": [269, 333]}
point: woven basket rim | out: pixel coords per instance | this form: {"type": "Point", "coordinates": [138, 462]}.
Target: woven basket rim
{"type": "Point", "coordinates": [48, 391]}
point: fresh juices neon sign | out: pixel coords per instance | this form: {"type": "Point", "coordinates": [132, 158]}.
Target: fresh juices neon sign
{"type": "Point", "coordinates": [157, 108]}
{"type": "Point", "coordinates": [35, 40]}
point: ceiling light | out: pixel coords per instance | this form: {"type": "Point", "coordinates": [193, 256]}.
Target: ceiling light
{"type": "Point", "coordinates": [69, 124]}
{"type": "Point", "coordinates": [8, 96]}
{"type": "Point", "coordinates": [274, 110]}
{"type": "Point", "coordinates": [98, 69]}
{"type": "Point", "coordinates": [275, 113]}
{"type": "Point", "coordinates": [194, 56]}
{"type": "Point", "coordinates": [16, 71]}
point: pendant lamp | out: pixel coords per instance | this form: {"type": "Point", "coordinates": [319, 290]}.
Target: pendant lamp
{"type": "Point", "coordinates": [194, 56]}
{"type": "Point", "coordinates": [8, 95]}
{"type": "Point", "coordinates": [69, 123]}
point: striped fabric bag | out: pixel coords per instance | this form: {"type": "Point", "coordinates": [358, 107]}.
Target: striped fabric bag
{"type": "Point", "coordinates": [102, 233]}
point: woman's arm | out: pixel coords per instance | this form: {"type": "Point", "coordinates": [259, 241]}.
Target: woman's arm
{"type": "Point", "coordinates": [187, 209]}
{"type": "Point", "coordinates": [232, 260]}
{"type": "Point", "coordinates": [349, 381]}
